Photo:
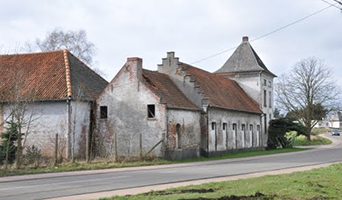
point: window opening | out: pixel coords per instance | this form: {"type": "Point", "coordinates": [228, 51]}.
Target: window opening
{"type": "Point", "coordinates": [213, 125]}
{"type": "Point", "coordinates": [179, 137]}
{"type": "Point", "coordinates": [103, 112]}
{"type": "Point", "coordinates": [151, 111]}
{"type": "Point", "coordinates": [224, 126]}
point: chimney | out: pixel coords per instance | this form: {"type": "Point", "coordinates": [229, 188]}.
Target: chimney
{"type": "Point", "coordinates": [245, 39]}
{"type": "Point", "coordinates": [134, 66]}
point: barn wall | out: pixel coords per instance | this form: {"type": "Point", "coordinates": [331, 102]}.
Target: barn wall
{"type": "Point", "coordinates": [223, 139]}
{"type": "Point", "coordinates": [184, 134]}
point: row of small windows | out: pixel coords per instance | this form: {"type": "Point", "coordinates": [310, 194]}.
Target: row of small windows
{"type": "Point", "coordinates": [269, 83]}
{"type": "Point", "coordinates": [234, 127]}
{"type": "Point", "coordinates": [151, 112]}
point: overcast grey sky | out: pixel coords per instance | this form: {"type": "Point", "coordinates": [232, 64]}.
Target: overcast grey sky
{"type": "Point", "coordinates": [194, 29]}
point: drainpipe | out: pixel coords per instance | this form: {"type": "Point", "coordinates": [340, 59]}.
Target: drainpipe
{"type": "Point", "coordinates": [68, 151]}
{"type": "Point", "coordinates": [208, 118]}
{"type": "Point", "coordinates": [262, 132]}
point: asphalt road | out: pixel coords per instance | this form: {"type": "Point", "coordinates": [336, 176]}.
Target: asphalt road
{"type": "Point", "coordinates": [41, 188]}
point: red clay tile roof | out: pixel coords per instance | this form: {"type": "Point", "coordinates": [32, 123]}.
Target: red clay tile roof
{"type": "Point", "coordinates": [222, 92]}
{"type": "Point", "coordinates": [46, 76]}
{"type": "Point", "coordinates": [163, 86]}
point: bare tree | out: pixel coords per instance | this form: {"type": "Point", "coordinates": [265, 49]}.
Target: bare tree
{"type": "Point", "coordinates": [75, 41]}
{"type": "Point", "coordinates": [308, 92]}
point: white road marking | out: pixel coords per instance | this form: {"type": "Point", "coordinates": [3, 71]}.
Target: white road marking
{"type": "Point", "coordinates": [63, 183]}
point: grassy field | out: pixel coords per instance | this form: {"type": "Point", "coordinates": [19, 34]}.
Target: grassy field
{"type": "Point", "coordinates": [315, 140]}
{"type": "Point", "coordinates": [107, 165]}
{"type": "Point", "coordinates": [318, 184]}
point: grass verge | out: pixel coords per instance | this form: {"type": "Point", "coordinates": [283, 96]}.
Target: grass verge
{"type": "Point", "coordinates": [315, 140]}
{"type": "Point", "coordinates": [107, 165]}
{"type": "Point", "coordinates": [317, 184]}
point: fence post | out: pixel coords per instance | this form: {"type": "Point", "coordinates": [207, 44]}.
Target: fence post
{"type": "Point", "coordinates": [140, 142]}
{"type": "Point", "coordinates": [56, 149]}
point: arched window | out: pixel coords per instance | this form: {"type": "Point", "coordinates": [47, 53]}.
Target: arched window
{"type": "Point", "coordinates": [179, 136]}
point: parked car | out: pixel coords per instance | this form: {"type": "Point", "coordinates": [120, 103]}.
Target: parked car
{"type": "Point", "coordinates": [335, 132]}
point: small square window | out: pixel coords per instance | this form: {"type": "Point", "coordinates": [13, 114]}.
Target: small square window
{"type": "Point", "coordinates": [151, 111]}
{"type": "Point", "coordinates": [103, 112]}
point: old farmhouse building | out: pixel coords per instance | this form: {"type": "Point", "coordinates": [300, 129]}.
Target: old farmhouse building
{"type": "Point", "coordinates": [179, 111]}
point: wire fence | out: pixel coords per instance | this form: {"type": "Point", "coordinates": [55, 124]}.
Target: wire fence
{"type": "Point", "coordinates": [52, 150]}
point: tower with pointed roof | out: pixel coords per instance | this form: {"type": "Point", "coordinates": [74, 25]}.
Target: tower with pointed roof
{"type": "Point", "coordinates": [246, 67]}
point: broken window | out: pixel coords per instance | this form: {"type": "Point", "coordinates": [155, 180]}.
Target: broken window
{"type": "Point", "coordinates": [103, 112]}
{"type": "Point", "coordinates": [151, 111]}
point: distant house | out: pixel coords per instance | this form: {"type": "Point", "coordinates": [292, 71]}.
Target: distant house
{"type": "Point", "coordinates": [335, 120]}
{"type": "Point", "coordinates": [322, 124]}
{"type": "Point", "coordinates": [60, 92]}
{"type": "Point", "coordinates": [181, 111]}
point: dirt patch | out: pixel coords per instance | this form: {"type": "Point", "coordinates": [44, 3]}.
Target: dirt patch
{"type": "Point", "coordinates": [257, 195]}
{"type": "Point", "coordinates": [201, 191]}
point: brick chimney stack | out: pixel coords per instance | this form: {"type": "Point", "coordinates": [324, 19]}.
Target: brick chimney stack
{"type": "Point", "coordinates": [245, 39]}
{"type": "Point", "coordinates": [135, 66]}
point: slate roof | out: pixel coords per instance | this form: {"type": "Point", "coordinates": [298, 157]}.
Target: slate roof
{"type": "Point", "coordinates": [52, 75]}
{"type": "Point", "coordinates": [221, 92]}
{"type": "Point", "coordinates": [164, 87]}
{"type": "Point", "coordinates": [244, 59]}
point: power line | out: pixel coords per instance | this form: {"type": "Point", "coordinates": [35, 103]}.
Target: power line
{"type": "Point", "coordinates": [334, 5]}
{"type": "Point", "coordinates": [267, 34]}
{"type": "Point", "coordinates": [338, 2]}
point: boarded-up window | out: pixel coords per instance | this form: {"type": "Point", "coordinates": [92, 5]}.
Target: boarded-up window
{"type": "Point", "coordinates": [103, 112]}
{"type": "Point", "coordinates": [151, 111]}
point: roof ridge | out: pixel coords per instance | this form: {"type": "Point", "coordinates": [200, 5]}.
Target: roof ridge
{"type": "Point", "coordinates": [67, 72]}
{"type": "Point", "coordinates": [254, 56]}
{"type": "Point", "coordinates": [33, 53]}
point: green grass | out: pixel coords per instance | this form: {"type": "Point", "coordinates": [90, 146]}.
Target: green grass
{"type": "Point", "coordinates": [107, 165]}
{"type": "Point", "coordinates": [316, 184]}
{"type": "Point", "coordinates": [315, 140]}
